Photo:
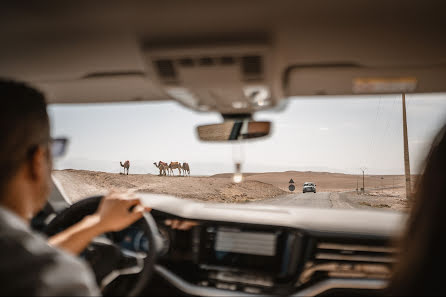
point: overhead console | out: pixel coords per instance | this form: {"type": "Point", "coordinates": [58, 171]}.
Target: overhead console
{"type": "Point", "coordinates": [229, 77]}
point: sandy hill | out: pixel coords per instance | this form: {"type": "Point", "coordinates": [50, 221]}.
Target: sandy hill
{"type": "Point", "coordinates": [78, 184]}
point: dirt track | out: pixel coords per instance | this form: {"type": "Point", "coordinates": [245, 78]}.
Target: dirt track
{"type": "Point", "coordinates": [325, 181]}
{"type": "Point", "coordinates": [341, 200]}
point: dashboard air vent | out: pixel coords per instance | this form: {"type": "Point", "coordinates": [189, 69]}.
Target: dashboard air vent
{"type": "Point", "coordinates": [340, 260]}
{"type": "Point", "coordinates": [354, 253]}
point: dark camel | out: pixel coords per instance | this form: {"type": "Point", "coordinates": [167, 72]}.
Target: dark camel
{"type": "Point", "coordinates": [126, 165]}
{"type": "Point", "coordinates": [163, 167]}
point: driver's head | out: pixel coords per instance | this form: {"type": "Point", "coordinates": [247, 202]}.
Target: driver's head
{"type": "Point", "coordinates": [25, 157]}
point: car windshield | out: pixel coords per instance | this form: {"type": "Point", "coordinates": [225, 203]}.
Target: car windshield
{"type": "Point", "coordinates": [351, 147]}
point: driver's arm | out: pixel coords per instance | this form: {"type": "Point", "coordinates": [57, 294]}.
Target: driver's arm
{"type": "Point", "coordinates": [112, 215]}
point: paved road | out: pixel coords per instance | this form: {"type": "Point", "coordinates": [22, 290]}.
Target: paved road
{"type": "Point", "coordinates": [317, 200]}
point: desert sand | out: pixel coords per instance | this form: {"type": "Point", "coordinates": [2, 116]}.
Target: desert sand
{"type": "Point", "coordinates": [325, 181]}
{"type": "Point", "coordinates": [388, 192]}
{"type": "Point", "coordinates": [78, 184]}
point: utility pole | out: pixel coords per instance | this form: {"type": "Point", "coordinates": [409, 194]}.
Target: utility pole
{"type": "Point", "coordinates": [363, 186]}
{"type": "Point", "coordinates": [406, 151]}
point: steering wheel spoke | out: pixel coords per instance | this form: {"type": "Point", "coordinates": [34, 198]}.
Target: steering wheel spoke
{"type": "Point", "coordinates": [129, 263]}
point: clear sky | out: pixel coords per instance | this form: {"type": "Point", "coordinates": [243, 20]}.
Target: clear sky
{"type": "Point", "coordinates": [335, 134]}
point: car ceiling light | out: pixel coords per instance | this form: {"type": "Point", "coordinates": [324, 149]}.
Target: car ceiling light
{"type": "Point", "coordinates": [239, 104]}
{"type": "Point", "coordinates": [183, 95]}
{"type": "Point", "coordinates": [203, 107]}
{"type": "Point", "coordinates": [262, 103]}
{"type": "Point", "coordinates": [259, 95]}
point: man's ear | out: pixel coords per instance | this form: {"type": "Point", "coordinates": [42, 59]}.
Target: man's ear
{"type": "Point", "coordinates": [38, 163]}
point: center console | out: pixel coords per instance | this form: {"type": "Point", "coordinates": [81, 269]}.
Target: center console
{"type": "Point", "coordinates": [248, 259]}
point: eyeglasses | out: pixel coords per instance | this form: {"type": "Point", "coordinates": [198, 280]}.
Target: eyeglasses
{"type": "Point", "coordinates": [58, 146]}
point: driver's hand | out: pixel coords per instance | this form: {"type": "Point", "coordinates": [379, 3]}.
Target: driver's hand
{"type": "Point", "coordinates": [183, 225]}
{"type": "Point", "coordinates": [119, 210]}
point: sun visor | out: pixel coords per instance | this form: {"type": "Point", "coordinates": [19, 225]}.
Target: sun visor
{"type": "Point", "coordinates": [307, 80]}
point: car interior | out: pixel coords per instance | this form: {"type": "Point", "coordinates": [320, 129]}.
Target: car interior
{"type": "Point", "coordinates": [235, 58]}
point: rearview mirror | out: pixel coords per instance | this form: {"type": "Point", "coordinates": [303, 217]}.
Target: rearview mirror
{"type": "Point", "coordinates": [234, 130]}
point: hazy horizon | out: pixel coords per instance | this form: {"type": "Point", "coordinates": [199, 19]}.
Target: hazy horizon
{"type": "Point", "coordinates": [223, 173]}
{"type": "Point", "coordinates": [320, 134]}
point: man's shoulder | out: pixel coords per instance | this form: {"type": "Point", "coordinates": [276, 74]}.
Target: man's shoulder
{"type": "Point", "coordinates": [29, 266]}
{"type": "Point", "coordinates": [21, 270]}
{"type": "Point", "coordinates": [16, 238]}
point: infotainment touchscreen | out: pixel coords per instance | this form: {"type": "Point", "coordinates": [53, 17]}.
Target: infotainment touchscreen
{"type": "Point", "coordinates": [243, 249]}
{"type": "Point", "coordinates": [253, 243]}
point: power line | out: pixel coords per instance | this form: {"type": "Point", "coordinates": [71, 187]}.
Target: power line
{"type": "Point", "coordinates": [396, 127]}
{"type": "Point", "coordinates": [373, 130]}
{"type": "Point", "coordinates": [381, 136]}
{"type": "Point", "coordinates": [363, 169]}
{"type": "Point", "coordinates": [391, 111]}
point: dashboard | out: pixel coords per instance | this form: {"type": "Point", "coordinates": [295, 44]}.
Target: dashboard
{"type": "Point", "coordinates": [232, 259]}
{"type": "Point", "coordinates": [236, 250]}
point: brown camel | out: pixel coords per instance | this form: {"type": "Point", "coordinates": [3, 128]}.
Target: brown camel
{"type": "Point", "coordinates": [175, 165]}
{"type": "Point", "coordinates": [185, 168]}
{"type": "Point", "coordinates": [126, 165]}
{"type": "Point", "coordinates": [163, 167]}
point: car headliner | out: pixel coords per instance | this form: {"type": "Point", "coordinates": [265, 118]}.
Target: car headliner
{"type": "Point", "coordinates": [101, 51]}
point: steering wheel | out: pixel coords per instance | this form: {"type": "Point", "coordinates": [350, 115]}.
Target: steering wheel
{"type": "Point", "coordinates": [118, 271]}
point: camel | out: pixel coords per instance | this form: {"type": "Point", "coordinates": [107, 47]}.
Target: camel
{"type": "Point", "coordinates": [185, 168]}
{"type": "Point", "coordinates": [175, 165]}
{"type": "Point", "coordinates": [126, 165]}
{"type": "Point", "coordinates": [163, 167]}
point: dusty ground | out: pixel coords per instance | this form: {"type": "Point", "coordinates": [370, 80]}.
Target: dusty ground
{"type": "Point", "coordinates": [79, 184]}
{"type": "Point", "coordinates": [325, 181]}
{"type": "Point", "coordinates": [393, 199]}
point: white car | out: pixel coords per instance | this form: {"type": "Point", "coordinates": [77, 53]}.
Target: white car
{"type": "Point", "coordinates": [309, 187]}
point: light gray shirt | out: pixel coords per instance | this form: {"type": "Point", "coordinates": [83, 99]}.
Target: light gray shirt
{"type": "Point", "coordinates": [31, 267]}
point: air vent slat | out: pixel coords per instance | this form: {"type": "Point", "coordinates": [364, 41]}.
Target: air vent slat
{"type": "Point", "coordinates": [366, 248]}
{"type": "Point", "coordinates": [334, 252]}
{"type": "Point", "coordinates": [354, 258]}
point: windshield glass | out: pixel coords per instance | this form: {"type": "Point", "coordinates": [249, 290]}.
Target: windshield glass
{"type": "Point", "coordinates": [351, 147]}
